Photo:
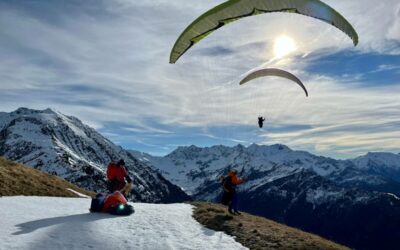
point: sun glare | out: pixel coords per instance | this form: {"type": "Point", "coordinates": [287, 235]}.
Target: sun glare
{"type": "Point", "coordinates": [283, 46]}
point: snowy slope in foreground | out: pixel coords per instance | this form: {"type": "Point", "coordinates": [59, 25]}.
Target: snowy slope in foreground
{"type": "Point", "coordinates": [64, 223]}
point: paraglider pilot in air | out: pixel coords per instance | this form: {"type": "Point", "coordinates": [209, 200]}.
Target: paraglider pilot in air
{"type": "Point", "coordinates": [118, 178]}
{"type": "Point", "coordinates": [261, 121]}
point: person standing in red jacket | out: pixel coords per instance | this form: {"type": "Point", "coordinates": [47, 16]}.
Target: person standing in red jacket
{"type": "Point", "coordinates": [118, 178]}
{"type": "Point", "coordinates": [230, 195]}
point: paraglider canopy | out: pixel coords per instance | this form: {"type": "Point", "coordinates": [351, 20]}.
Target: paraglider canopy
{"type": "Point", "coordinates": [233, 10]}
{"type": "Point", "coordinates": [273, 72]}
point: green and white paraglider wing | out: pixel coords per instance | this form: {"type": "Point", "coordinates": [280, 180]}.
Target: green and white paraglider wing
{"type": "Point", "coordinates": [233, 10]}
{"type": "Point", "coordinates": [273, 72]}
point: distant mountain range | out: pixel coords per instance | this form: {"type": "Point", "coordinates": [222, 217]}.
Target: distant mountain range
{"type": "Point", "coordinates": [190, 167]}
{"type": "Point", "coordinates": [63, 145]}
{"type": "Point", "coordinates": [354, 202]}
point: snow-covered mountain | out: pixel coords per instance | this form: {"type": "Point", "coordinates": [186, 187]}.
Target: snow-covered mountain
{"type": "Point", "coordinates": [191, 167]}
{"type": "Point", "coordinates": [380, 163]}
{"type": "Point", "coordinates": [63, 145]}
{"type": "Point", "coordinates": [332, 198]}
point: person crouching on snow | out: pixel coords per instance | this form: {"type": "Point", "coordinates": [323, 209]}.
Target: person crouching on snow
{"type": "Point", "coordinates": [118, 178]}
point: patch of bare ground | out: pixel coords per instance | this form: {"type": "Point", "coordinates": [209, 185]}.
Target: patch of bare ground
{"type": "Point", "coordinates": [257, 232]}
{"type": "Point", "coordinates": [17, 179]}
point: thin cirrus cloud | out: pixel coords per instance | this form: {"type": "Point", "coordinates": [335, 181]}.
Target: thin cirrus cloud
{"type": "Point", "coordinates": [106, 62]}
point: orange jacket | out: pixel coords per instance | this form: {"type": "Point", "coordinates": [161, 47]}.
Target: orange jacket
{"type": "Point", "coordinates": [230, 183]}
{"type": "Point", "coordinates": [113, 200]}
{"type": "Point", "coordinates": [235, 180]}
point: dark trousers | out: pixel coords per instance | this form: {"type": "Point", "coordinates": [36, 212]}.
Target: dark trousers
{"type": "Point", "coordinates": [234, 204]}
{"type": "Point", "coordinates": [115, 185]}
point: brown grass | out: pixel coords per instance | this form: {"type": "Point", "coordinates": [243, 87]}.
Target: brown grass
{"type": "Point", "coordinates": [257, 232]}
{"type": "Point", "coordinates": [16, 179]}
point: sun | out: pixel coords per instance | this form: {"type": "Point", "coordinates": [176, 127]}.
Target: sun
{"type": "Point", "coordinates": [283, 46]}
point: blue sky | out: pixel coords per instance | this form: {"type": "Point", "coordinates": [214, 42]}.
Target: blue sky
{"type": "Point", "coordinates": [106, 62]}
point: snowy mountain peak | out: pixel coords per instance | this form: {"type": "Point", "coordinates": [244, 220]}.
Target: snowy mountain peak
{"type": "Point", "coordinates": [381, 155]}
{"type": "Point", "coordinates": [193, 151]}
{"type": "Point", "coordinates": [268, 149]}
{"type": "Point", "coordinates": [380, 163]}
{"type": "Point", "coordinates": [280, 147]}
{"type": "Point", "coordinates": [27, 111]}
{"type": "Point", "coordinates": [240, 146]}
{"type": "Point", "coordinates": [371, 159]}
{"type": "Point", "coordinates": [24, 110]}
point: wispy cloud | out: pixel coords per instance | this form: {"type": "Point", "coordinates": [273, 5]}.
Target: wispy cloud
{"type": "Point", "coordinates": [106, 62]}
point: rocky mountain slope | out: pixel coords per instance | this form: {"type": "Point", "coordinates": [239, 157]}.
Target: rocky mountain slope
{"type": "Point", "coordinates": [64, 146]}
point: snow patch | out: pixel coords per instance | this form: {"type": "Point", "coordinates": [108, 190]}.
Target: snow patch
{"type": "Point", "coordinates": [38, 223]}
{"type": "Point", "coordinates": [394, 196]}
{"type": "Point", "coordinates": [77, 193]}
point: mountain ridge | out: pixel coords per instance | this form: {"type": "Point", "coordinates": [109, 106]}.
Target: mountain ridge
{"type": "Point", "coordinates": [196, 161]}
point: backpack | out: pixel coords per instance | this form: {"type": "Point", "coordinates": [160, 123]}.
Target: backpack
{"type": "Point", "coordinates": [97, 203]}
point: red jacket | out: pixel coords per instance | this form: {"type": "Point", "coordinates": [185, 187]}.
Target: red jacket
{"type": "Point", "coordinates": [116, 175]}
